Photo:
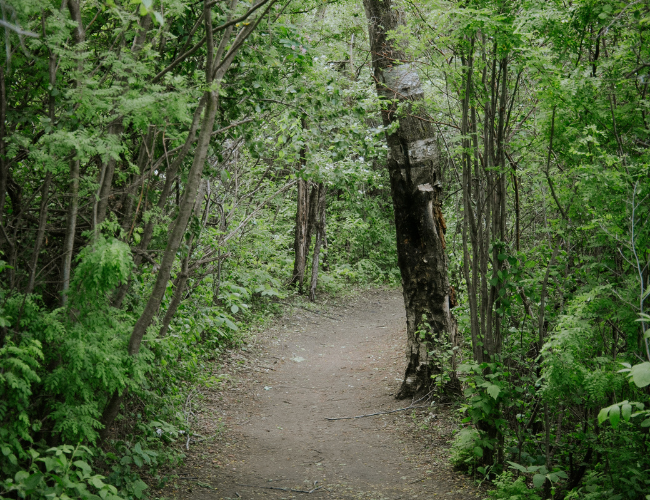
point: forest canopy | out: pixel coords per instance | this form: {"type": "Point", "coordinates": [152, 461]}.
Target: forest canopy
{"type": "Point", "coordinates": [172, 172]}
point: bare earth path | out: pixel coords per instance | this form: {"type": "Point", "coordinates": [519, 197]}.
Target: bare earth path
{"type": "Point", "coordinates": [345, 361]}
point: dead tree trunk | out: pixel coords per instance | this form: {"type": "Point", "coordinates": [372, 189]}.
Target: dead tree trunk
{"type": "Point", "coordinates": [416, 185]}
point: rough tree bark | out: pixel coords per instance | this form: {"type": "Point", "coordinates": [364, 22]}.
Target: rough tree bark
{"type": "Point", "coordinates": [416, 185]}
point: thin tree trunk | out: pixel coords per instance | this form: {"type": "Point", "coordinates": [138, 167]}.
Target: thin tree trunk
{"type": "Point", "coordinates": [40, 232]}
{"type": "Point", "coordinates": [106, 186]}
{"type": "Point", "coordinates": [320, 236]}
{"type": "Point", "coordinates": [4, 169]}
{"type": "Point", "coordinates": [300, 238]}
{"type": "Point", "coordinates": [127, 219]}
{"type": "Point", "coordinates": [79, 35]}
{"type": "Point", "coordinates": [71, 227]}
{"type": "Point", "coordinates": [312, 216]}
{"type": "Point", "coordinates": [183, 276]}
{"type": "Point", "coordinates": [180, 224]}
{"type": "Point", "coordinates": [300, 243]}
{"type": "Point", "coordinates": [416, 185]}
{"type": "Point", "coordinates": [42, 217]}
{"type": "Point", "coordinates": [186, 203]}
{"type": "Point", "coordinates": [170, 174]}
{"type": "Point", "coordinates": [173, 242]}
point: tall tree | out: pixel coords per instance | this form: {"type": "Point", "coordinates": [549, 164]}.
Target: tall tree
{"type": "Point", "coordinates": [416, 187]}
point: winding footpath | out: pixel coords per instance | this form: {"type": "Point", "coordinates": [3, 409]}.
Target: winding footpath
{"type": "Point", "coordinates": [270, 415]}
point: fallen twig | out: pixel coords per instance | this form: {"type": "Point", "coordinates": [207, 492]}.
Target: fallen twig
{"type": "Point", "coordinates": [281, 489]}
{"type": "Point", "coordinates": [378, 413]}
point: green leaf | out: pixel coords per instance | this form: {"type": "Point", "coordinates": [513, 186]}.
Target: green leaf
{"type": "Point", "coordinates": [478, 451]}
{"type": "Point", "coordinates": [538, 480]}
{"type": "Point", "coordinates": [518, 467]}
{"type": "Point", "coordinates": [641, 374]}
{"type": "Point", "coordinates": [83, 466]}
{"type": "Point", "coordinates": [137, 460]}
{"type": "Point", "coordinates": [97, 482]}
{"type": "Point", "coordinates": [626, 411]}
{"type": "Point", "coordinates": [614, 415]}
{"type": "Point", "coordinates": [32, 482]}
{"type": "Point", "coordinates": [138, 488]}
{"type": "Point", "coordinates": [493, 390]}
{"type": "Point", "coordinates": [602, 415]}
{"type": "Point", "coordinates": [20, 476]}
{"type": "Point", "coordinates": [234, 308]}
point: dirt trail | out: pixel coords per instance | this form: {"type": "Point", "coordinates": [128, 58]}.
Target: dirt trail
{"type": "Point", "coordinates": [346, 361]}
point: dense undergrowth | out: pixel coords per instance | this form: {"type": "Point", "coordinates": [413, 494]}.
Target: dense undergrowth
{"type": "Point", "coordinates": [58, 365]}
{"type": "Point", "coordinates": [119, 121]}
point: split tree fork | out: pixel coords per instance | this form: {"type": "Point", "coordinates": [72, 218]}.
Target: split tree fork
{"type": "Point", "coordinates": [310, 221]}
{"type": "Point", "coordinates": [416, 186]}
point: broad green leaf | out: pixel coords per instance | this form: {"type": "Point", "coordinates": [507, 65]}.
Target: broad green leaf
{"type": "Point", "coordinates": [520, 468]}
{"type": "Point", "coordinates": [138, 488]}
{"type": "Point", "coordinates": [20, 476]}
{"type": "Point", "coordinates": [626, 411]}
{"type": "Point", "coordinates": [614, 415]}
{"type": "Point", "coordinates": [97, 482]}
{"type": "Point", "coordinates": [641, 374]}
{"type": "Point", "coordinates": [493, 390]}
{"type": "Point", "coordinates": [538, 480]}
{"type": "Point", "coordinates": [602, 415]}
{"type": "Point", "coordinates": [83, 466]}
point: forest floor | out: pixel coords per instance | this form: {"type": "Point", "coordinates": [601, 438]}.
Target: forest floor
{"type": "Point", "coordinates": [265, 423]}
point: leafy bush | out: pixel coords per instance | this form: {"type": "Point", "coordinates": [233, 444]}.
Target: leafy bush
{"type": "Point", "coordinates": [463, 449]}
{"type": "Point", "coordinates": [507, 488]}
{"type": "Point", "coordinates": [62, 472]}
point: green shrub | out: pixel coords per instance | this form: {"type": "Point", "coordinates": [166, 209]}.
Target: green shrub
{"type": "Point", "coordinates": [63, 472]}
{"type": "Point", "coordinates": [507, 488]}
{"type": "Point", "coordinates": [463, 453]}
